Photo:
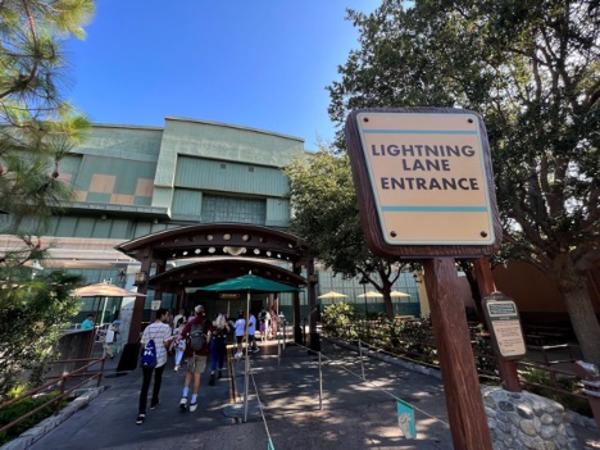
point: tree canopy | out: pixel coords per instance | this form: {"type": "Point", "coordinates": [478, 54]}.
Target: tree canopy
{"type": "Point", "coordinates": [37, 126]}
{"type": "Point", "coordinates": [325, 214]}
{"type": "Point", "coordinates": [532, 69]}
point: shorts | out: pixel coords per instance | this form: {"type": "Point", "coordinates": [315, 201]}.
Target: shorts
{"type": "Point", "coordinates": [196, 364]}
{"type": "Point", "coordinates": [239, 339]}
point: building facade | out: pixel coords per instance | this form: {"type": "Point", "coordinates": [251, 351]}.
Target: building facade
{"type": "Point", "coordinates": [130, 181]}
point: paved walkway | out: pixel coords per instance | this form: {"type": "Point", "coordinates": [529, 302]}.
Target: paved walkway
{"type": "Point", "coordinates": [355, 415]}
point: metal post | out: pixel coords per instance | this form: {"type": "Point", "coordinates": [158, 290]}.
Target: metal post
{"type": "Point", "coordinates": [362, 365]}
{"type": "Point", "coordinates": [320, 384]}
{"type": "Point", "coordinates": [247, 363]}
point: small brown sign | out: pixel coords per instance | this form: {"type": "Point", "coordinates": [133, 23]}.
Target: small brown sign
{"type": "Point", "coordinates": [503, 321]}
{"type": "Point", "coordinates": [424, 182]}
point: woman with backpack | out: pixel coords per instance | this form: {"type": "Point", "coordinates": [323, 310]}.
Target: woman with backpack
{"type": "Point", "coordinates": [155, 342]}
{"type": "Point", "coordinates": [197, 332]}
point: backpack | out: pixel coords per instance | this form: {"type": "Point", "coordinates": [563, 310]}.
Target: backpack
{"type": "Point", "coordinates": [197, 337]}
{"type": "Point", "coordinates": [149, 354]}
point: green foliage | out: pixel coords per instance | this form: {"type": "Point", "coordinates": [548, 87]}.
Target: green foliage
{"type": "Point", "coordinates": [543, 383]}
{"type": "Point", "coordinates": [531, 68]}
{"type": "Point", "coordinates": [38, 126]}
{"type": "Point", "coordinates": [21, 408]}
{"type": "Point", "coordinates": [338, 319]}
{"type": "Point", "coordinates": [32, 314]}
{"type": "Point", "coordinates": [326, 216]}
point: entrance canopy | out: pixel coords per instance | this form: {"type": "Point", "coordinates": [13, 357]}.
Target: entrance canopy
{"type": "Point", "coordinates": [203, 273]}
{"type": "Point", "coordinates": [221, 239]}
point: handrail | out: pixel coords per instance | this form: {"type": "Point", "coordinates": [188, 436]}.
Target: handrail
{"type": "Point", "coordinates": [61, 396]}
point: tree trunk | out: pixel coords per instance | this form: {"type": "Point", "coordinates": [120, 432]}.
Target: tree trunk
{"type": "Point", "coordinates": [583, 318]}
{"type": "Point", "coordinates": [387, 300]}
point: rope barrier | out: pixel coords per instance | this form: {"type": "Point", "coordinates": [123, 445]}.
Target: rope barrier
{"type": "Point", "coordinates": [379, 388]}
{"type": "Point", "coordinates": [262, 414]}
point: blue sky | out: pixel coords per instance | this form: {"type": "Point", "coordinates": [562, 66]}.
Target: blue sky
{"type": "Point", "coordinates": [261, 63]}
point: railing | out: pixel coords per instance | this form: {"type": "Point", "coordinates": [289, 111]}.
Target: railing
{"type": "Point", "coordinates": [58, 382]}
{"type": "Point", "coordinates": [383, 338]}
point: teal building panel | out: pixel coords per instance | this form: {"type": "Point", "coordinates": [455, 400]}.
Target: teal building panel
{"type": "Point", "coordinates": [187, 203]}
{"type": "Point", "coordinates": [225, 176]}
{"type": "Point", "coordinates": [278, 212]}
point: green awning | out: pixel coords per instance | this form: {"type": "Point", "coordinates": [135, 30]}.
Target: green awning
{"type": "Point", "coordinates": [249, 283]}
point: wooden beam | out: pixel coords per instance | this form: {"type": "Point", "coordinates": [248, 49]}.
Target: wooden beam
{"type": "Point", "coordinates": [468, 422]}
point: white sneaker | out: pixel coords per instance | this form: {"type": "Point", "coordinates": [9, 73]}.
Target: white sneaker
{"type": "Point", "coordinates": [183, 403]}
{"type": "Point", "coordinates": [193, 406]}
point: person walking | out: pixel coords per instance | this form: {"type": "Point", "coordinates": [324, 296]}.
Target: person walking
{"type": "Point", "coordinates": [197, 333]}
{"type": "Point", "coordinates": [218, 347]}
{"type": "Point", "coordinates": [240, 330]}
{"type": "Point", "coordinates": [179, 343]}
{"type": "Point", "coordinates": [155, 341]}
{"type": "Point", "coordinates": [251, 332]}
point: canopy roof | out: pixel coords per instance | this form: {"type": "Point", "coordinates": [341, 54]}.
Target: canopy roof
{"type": "Point", "coordinates": [398, 294]}
{"type": "Point", "coordinates": [249, 283]}
{"type": "Point", "coordinates": [371, 294]}
{"type": "Point", "coordinates": [211, 271]}
{"type": "Point", "coordinates": [217, 239]}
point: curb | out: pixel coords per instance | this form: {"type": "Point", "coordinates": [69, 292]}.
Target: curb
{"type": "Point", "coordinates": [394, 360]}
{"type": "Point", "coordinates": [29, 437]}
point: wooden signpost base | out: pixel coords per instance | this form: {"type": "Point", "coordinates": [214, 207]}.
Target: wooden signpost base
{"type": "Point", "coordinates": [466, 412]}
{"type": "Point", "coordinates": [506, 367]}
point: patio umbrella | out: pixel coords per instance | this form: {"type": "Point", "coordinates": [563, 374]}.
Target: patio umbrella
{"type": "Point", "coordinates": [332, 295]}
{"type": "Point", "coordinates": [399, 294]}
{"type": "Point", "coordinates": [104, 289]}
{"type": "Point", "coordinates": [369, 294]}
{"type": "Point", "coordinates": [249, 284]}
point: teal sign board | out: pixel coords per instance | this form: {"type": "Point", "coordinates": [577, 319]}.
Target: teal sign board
{"type": "Point", "coordinates": [406, 419]}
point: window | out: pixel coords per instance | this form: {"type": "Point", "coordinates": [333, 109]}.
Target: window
{"type": "Point", "coordinates": [216, 208]}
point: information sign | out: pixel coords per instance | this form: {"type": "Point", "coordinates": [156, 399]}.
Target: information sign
{"type": "Point", "coordinates": [155, 306]}
{"type": "Point", "coordinates": [426, 181]}
{"type": "Point", "coordinates": [503, 321]}
{"type": "Point", "coordinates": [406, 419]}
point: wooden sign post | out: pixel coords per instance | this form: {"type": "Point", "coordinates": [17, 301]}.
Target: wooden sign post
{"type": "Point", "coordinates": [425, 189]}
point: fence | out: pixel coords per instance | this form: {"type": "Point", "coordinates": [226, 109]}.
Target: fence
{"type": "Point", "coordinates": [413, 340]}
{"type": "Point", "coordinates": [57, 383]}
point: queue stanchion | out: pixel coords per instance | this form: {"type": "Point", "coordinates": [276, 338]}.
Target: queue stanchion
{"type": "Point", "coordinates": [362, 364]}
{"type": "Point", "coordinates": [320, 384]}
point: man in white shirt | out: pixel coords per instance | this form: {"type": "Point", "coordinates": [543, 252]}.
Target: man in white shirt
{"type": "Point", "coordinates": [160, 333]}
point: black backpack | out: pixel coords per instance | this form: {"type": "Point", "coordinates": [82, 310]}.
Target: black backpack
{"type": "Point", "coordinates": [197, 337]}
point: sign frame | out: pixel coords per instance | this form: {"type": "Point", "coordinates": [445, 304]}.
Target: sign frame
{"type": "Point", "coordinates": [500, 297]}
{"type": "Point", "coordinates": [366, 196]}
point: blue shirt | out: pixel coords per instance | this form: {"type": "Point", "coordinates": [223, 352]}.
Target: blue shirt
{"type": "Point", "coordinates": [87, 324]}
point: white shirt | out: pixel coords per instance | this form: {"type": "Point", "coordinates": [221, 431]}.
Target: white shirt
{"type": "Point", "coordinates": [159, 333]}
{"type": "Point", "coordinates": [240, 324]}
{"type": "Point", "coordinates": [251, 325]}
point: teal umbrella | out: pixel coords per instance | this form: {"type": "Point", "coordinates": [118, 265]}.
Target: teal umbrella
{"type": "Point", "coordinates": [248, 283]}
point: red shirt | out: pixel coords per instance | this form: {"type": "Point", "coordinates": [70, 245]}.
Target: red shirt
{"type": "Point", "coordinates": [207, 326]}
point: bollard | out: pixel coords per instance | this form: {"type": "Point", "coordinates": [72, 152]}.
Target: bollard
{"type": "Point", "coordinates": [362, 365]}
{"type": "Point", "coordinates": [320, 384]}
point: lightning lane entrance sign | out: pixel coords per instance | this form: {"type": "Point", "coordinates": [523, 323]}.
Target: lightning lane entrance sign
{"type": "Point", "coordinates": [425, 187]}
{"type": "Point", "coordinates": [425, 181]}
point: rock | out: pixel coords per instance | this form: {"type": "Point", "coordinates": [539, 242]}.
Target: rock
{"type": "Point", "coordinates": [527, 427]}
{"type": "Point", "coordinates": [490, 412]}
{"type": "Point", "coordinates": [547, 431]}
{"type": "Point", "coordinates": [550, 446]}
{"type": "Point", "coordinates": [546, 419]}
{"type": "Point", "coordinates": [537, 424]}
{"type": "Point", "coordinates": [505, 406]}
{"type": "Point", "coordinates": [525, 411]}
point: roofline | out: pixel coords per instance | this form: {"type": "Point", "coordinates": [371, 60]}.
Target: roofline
{"type": "Point", "coordinates": [127, 126]}
{"type": "Point", "coordinates": [235, 127]}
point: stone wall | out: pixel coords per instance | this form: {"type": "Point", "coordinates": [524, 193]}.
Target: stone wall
{"type": "Point", "coordinates": [526, 421]}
